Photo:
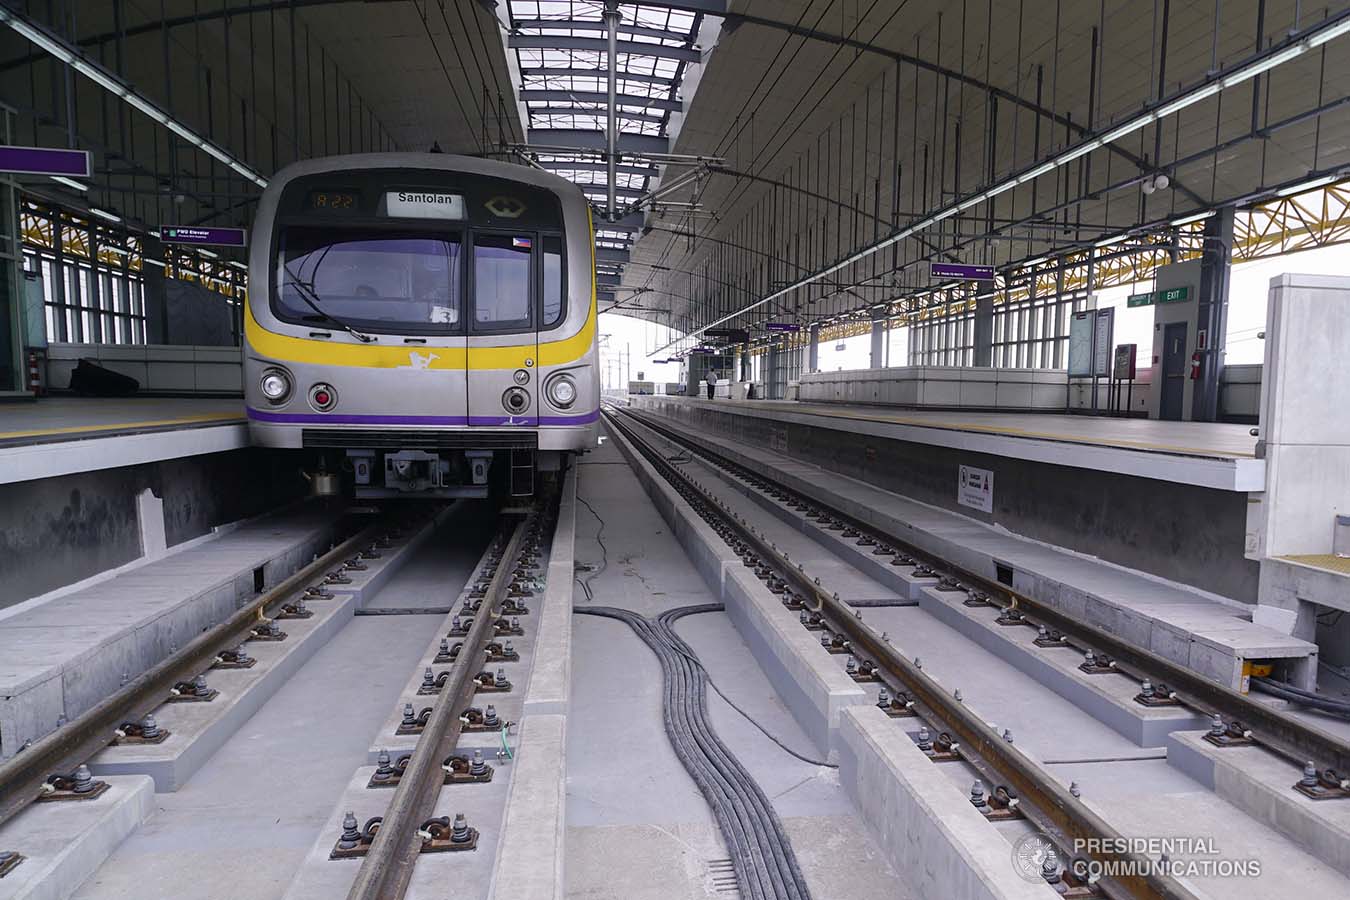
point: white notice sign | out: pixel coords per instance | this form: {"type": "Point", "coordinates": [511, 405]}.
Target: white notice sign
{"type": "Point", "coordinates": [976, 489]}
{"type": "Point", "coordinates": [423, 205]}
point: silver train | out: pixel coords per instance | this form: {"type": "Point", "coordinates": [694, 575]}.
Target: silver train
{"type": "Point", "coordinates": [425, 323]}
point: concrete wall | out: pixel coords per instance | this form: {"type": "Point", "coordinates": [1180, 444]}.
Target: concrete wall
{"type": "Point", "coordinates": [57, 531]}
{"type": "Point", "coordinates": [1184, 533]}
{"type": "Point", "coordinates": [956, 387]}
{"type": "Point", "coordinates": [159, 368]}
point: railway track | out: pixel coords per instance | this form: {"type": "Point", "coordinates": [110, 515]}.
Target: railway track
{"type": "Point", "coordinates": [1053, 809]}
{"type": "Point", "coordinates": [409, 827]}
{"type": "Point", "coordinates": [52, 766]}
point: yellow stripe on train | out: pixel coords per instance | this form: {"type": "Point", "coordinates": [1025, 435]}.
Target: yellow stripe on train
{"type": "Point", "coordinates": [285, 348]}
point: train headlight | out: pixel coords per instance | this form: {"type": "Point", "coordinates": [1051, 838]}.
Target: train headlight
{"type": "Point", "coordinates": [275, 385]}
{"type": "Point", "coordinates": [562, 391]}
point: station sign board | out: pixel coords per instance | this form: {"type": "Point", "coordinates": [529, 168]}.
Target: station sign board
{"type": "Point", "coordinates": [782, 326]}
{"type": "Point", "coordinates": [44, 161]}
{"type": "Point", "coordinates": [961, 270]}
{"type": "Point", "coordinates": [1174, 295]}
{"type": "Point", "coordinates": [734, 335]}
{"type": "Point", "coordinates": [203, 236]}
{"type": "Point", "coordinates": [975, 488]}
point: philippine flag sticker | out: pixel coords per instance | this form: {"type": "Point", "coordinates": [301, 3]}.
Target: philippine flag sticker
{"type": "Point", "coordinates": [520, 243]}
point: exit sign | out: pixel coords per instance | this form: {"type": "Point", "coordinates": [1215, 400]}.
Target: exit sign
{"type": "Point", "coordinates": [1174, 295]}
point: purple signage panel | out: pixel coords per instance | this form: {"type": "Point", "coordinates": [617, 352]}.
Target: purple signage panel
{"type": "Point", "coordinates": [782, 326]}
{"type": "Point", "coordinates": [45, 161]}
{"type": "Point", "coordinates": [192, 234]}
{"type": "Point", "coordinates": [959, 270]}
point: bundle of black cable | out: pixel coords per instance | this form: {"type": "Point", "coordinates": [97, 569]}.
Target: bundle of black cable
{"type": "Point", "coordinates": [766, 867]}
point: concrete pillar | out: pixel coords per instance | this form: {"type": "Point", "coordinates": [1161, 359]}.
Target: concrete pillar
{"type": "Point", "coordinates": [878, 355]}
{"type": "Point", "coordinates": [773, 381]}
{"type": "Point", "coordinates": [745, 368]}
{"type": "Point", "coordinates": [984, 330]}
{"type": "Point", "coordinates": [813, 349]}
{"type": "Point", "coordinates": [1212, 312]}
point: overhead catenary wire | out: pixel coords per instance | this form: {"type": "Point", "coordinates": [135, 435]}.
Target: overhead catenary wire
{"type": "Point", "coordinates": [766, 867]}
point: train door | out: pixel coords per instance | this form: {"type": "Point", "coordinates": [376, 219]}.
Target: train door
{"type": "Point", "coordinates": [502, 362]}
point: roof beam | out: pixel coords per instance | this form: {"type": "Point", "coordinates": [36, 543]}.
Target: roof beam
{"type": "Point", "coordinates": [595, 140]}
{"type": "Point", "coordinates": [607, 280]}
{"type": "Point", "coordinates": [590, 166]}
{"type": "Point", "coordinates": [598, 25]}
{"type": "Point", "coordinates": [609, 254]}
{"type": "Point", "coordinates": [550, 72]}
{"type": "Point", "coordinates": [652, 118]}
{"type": "Point", "coordinates": [600, 188]}
{"type": "Point", "coordinates": [553, 95]}
{"type": "Point", "coordinates": [600, 45]}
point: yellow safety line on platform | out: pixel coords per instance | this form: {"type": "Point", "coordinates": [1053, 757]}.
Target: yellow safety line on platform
{"type": "Point", "coordinates": [153, 423]}
{"type": "Point", "coordinates": [1005, 430]}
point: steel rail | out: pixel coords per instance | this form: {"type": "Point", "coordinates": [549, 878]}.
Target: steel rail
{"type": "Point", "coordinates": [1275, 730]}
{"type": "Point", "coordinates": [1066, 818]}
{"type": "Point", "coordinates": [23, 775]}
{"type": "Point", "coordinates": [388, 867]}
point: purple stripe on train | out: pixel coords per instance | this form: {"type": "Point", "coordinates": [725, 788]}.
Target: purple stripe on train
{"type": "Point", "coordinates": [478, 421]}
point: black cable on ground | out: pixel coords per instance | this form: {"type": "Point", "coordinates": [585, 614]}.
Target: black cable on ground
{"type": "Point", "coordinates": [585, 582]}
{"type": "Point", "coordinates": [766, 867]}
{"type": "Point", "coordinates": [1303, 698]}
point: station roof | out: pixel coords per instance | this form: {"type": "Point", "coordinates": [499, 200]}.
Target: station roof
{"type": "Point", "coordinates": [810, 157]}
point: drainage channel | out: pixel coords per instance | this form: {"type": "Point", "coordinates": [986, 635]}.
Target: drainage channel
{"type": "Point", "coordinates": [957, 733]}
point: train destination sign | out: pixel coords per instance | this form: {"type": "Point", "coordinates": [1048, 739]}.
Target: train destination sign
{"type": "Point", "coordinates": [424, 205]}
{"type": "Point", "coordinates": [960, 270]}
{"type": "Point", "coordinates": [1174, 295]}
{"type": "Point", "coordinates": [192, 234]}
{"type": "Point", "coordinates": [44, 161]}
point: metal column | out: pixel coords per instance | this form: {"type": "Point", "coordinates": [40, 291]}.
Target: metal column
{"type": "Point", "coordinates": [1212, 314]}
{"type": "Point", "coordinates": [813, 349]}
{"type": "Point", "coordinates": [612, 18]}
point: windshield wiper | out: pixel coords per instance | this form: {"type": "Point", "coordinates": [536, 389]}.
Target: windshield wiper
{"type": "Point", "coordinates": [312, 298]}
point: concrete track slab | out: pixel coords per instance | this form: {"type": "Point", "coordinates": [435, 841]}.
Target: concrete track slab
{"type": "Point", "coordinates": [175, 599]}
{"type": "Point", "coordinates": [66, 842]}
{"type": "Point", "coordinates": [282, 768]}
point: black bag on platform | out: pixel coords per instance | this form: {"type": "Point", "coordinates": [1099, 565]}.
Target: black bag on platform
{"type": "Point", "coordinates": [93, 380]}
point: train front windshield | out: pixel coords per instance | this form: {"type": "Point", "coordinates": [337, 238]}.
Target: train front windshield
{"type": "Point", "coordinates": [377, 281]}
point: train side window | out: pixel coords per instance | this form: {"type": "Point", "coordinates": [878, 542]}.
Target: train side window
{"type": "Point", "coordinates": [501, 281]}
{"type": "Point", "coordinates": [554, 284]}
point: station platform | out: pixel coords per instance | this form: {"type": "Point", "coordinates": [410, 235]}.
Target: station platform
{"type": "Point", "coordinates": [1213, 455]}
{"type": "Point", "coordinates": [56, 436]}
{"type": "Point", "coordinates": [1166, 498]}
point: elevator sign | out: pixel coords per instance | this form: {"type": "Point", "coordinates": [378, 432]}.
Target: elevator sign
{"type": "Point", "coordinates": [961, 271]}
{"type": "Point", "coordinates": [975, 488]}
